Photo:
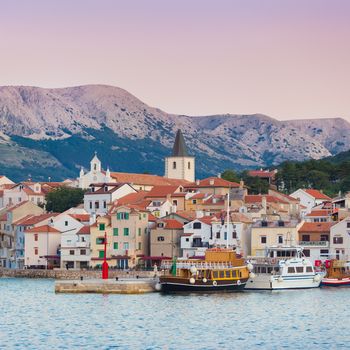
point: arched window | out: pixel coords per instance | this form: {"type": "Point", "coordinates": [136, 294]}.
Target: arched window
{"type": "Point", "coordinates": [174, 165]}
{"type": "Point", "coordinates": [197, 225]}
{"type": "Point", "coordinates": [95, 166]}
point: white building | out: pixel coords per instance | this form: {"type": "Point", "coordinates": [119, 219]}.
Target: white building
{"type": "Point", "coordinates": [180, 165]}
{"type": "Point", "coordinates": [5, 181]}
{"type": "Point", "coordinates": [340, 240]}
{"type": "Point", "coordinates": [95, 175]}
{"type": "Point", "coordinates": [160, 208]}
{"type": "Point", "coordinates": [100, 195]}
{"type": "Point", "coordinates": [310, 198]}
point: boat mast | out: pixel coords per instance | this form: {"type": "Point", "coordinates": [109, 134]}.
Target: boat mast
{"type": "Point", "coordinates": [228, 216]}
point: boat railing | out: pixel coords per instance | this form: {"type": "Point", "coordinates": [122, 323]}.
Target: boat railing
{"type": "Point", "coordinates": [267, 260]}
{"type": "Point", "coordinates": [198, 265]}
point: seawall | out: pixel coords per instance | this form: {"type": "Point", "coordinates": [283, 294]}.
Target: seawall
{"type": "Point", "coordinates": [72, 274]}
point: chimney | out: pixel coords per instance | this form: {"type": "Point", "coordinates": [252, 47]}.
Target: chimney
{"type": "Point", "coordinates": [219, 175]}
{"type": "Point", "coordinates": [264, 203]}
{"type": "Point", "coordinates": [197, 182]}
{"type": "Point", "coordinates": [241, 184]}
{"type": "Point", "coordinates": [211, 182]}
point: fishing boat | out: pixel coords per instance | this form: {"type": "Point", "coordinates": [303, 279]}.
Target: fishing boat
{"type": "Point", "coordinates": [338, 273]}
{"type": "Point", "coordinates": [220, 270]}
{"type": "Point", "coordinates": [283, 267]}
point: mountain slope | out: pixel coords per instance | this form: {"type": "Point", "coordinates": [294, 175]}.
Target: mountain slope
{"type": "Point", "coordinates": [68, 124]}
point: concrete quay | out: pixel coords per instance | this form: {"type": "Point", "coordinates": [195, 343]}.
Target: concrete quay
{"type": "Point", "coordinates": [110, 286]}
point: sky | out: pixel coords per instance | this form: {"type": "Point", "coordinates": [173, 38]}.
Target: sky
{"type": "Point", "coordinates": [287, 59]}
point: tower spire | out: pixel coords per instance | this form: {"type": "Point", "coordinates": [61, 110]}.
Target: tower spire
{"type": "Point", "coordinates": [180, 149]}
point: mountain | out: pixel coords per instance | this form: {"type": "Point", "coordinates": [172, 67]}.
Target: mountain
{"type": "Point", "coordinates": [53, 132]}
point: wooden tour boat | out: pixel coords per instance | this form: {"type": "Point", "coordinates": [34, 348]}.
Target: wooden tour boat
{"type": "Point", "coordinates": [338, 273]}
{"type": "Point", "coordinates": [221, 270]}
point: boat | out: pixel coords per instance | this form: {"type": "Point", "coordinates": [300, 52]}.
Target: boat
{"type": "Point", "coordinates": [338, 273]}
{"type": "Point", "coordinates": [220, 270]}
{"type": "Point", "coordinates": [283, 267]}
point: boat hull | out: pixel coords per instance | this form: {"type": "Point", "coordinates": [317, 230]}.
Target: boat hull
{"type": "Point", "coordinates": [267, 282]}
{"type": "Point", "coordinates": [334, 282]}
{"type": "Point", "coordinates": [171, 286]}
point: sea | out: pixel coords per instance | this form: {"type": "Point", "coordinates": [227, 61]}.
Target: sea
{"type": "Point", "coordinates": [32, 316]}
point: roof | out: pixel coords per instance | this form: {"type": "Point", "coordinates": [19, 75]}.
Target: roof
{"type": "Point", "coordinates": [316, 227]}
{"type": "Point", "coordinates": [262, 173]}
{"type": "Point", "coordinates": [199, 195]}
{"type": "Point", "coordinates": [43, 228]}
{"type": "Point", "coordinates": [151, 218]}
{"type": "Point", "coordinates": [316, 194]}
{"type": "Point", "coordinates": [80, 217]}
{"type": "Point", "coordinates": [110, 188]}
{"type": "Point", "coordinates": [132, 198]}
{"type": "Point", "coordinates": [172, 224]}
{"type": "Point", "coordinates": [321, 212]}
{"type": "Point", "coordinates": [179, 149]}
{"type": "Point", "coordinates": [146, 179]}
{"type": "Point", "coordinates": [213, 182]}
{"type": "Point", "coordinates": [85, 230]}
{"type": "Point", "coordinates": [162, 191]}
{"type": "Point", "coordinates": [34, 219]}
{"type": "Point", "coordinates": [257, 198]}
{"type": "Point", "coordinates": [186, 214]}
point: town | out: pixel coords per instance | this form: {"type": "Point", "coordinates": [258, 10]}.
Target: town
{"type": "Point", "coordinates": [149, 218]}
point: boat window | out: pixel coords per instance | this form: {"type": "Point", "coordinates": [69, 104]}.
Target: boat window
{"type": "Point", "coordinates": [276, 269]}
{"type": "Point", "coordinates": [215, 274]}
{"type": "Point", "coordinates": [263, 270]}
{"type": "Point", "coordinates": [228, 274]}
{"type": "Point", "coordinates": [222, 274]}
{"type": "Point", "coordinates": [234, 273]}
{"type": "Point", "coordinates": [240, 274]}
{"type": "Point", "coordinates": [269, 269]}
{"type": "Point", "coordinates": [291, 270]}
{"type": "Point", "coordinates": [300, 269]}
{"type": "Point", "coordinates": [309, 269]}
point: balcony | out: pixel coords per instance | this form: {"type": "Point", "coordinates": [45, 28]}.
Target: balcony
{"type": "Point", "coordinates": [322, 244]}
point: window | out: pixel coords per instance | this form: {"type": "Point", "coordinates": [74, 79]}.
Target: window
{"type": "Point", "coordinates": [139, 231]}
{"type": "Point", "coordinates": [36, 251]}
{"type": "Point", "coordinates": [217, 234]}
{"type": "Point", "coordinates": [234, 234]}
{"type": "Point", "coordinates": [348, 224]}
{"type": "Point", "coordinates": [104, 204]}
{"type": "Point", "coordinates": [324, 252]}
{"type": "Point", "coordinates": [174, 202]}
{"type": "Point", "coordinates": [189, 165]}
{"type": "Point", "coordinates": [194, 201]}
{"type": "Point", "coordinates": [90, 205]}
{"type": "Point", "coordinates": [222, 274]}
{"type": "Point", "coordinates": [161, 239]}
{"type": "Point", "coordinates": [225, 236]}
{"type": "Point", "coordinates": [100, 240]}
{"type": "Point", "coordinates": [66, 223]}
{"type": "Point", "coordinates": [126, 245]}
{"type": "Point", "coordinates": [101, 254]}
{"type": "Point", "coordinates": [97, 205]}
{"type": "Point", "coordinates": [126, 231]}
{"type": "Point", "coordinates": [291, 270]}
{"type": "Point", "coordinates": [324, 238]}
{"type": "Point", "coordinates": [215, 274]}
{"type": "Point", "coordinates": [305, 238]}
{"type": "Point", "coordinates": [82, 251]}
{"type": "Point", "coordinates": [197, 225]}
{"type": "Point", "coordinates": [228, 274]}
{"type": "Point", "coordinates": [306, 252]}
{"type": "Point", "coordinates": [144, 216]}
{"type": "Point", "coordinates": [263, 223]}
{"type": "Point", "coordinates": [174, 165]}
{"type": "Point", "coordinates": [309, 269]}
{"type": "Point", "coordinates": [280, 239]}
{"type": "Point", "coordinates": [263, 239]}
{"type": "Point", "coordinates": [115, 245]}
{"type": "Point", "coordinates": [35, 237]}
{"type": "Point", "coordinates": [71, 252]}
{"type": "Point", "coordinates": [338, 240]}
{"type": "Point", "coordinates": [140, 245]}
{"type": "Point", "coordinates": [187, 239]}
{"type": "Point", "coordinates": [122, 216]}
{"type": "Point", "coordinates": [115, 231]}
{"type": "Point", "coordinates": [300, 269]}
{"type": "Point", "coordinates": [102, 227]}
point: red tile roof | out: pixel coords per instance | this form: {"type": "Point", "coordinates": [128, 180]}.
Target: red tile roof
{"type": "Point", "coordinates": [161, 191]}
{"type": "Point", "coordinates": [199, 195]}
{"type": "Point", "coordinates": [317, 194]}
{"type": "Point", "coordinates": [316, 227]}
{"type": "Point", "coordinates": [85, 230]}
{"type": "Point", "coordinates": [44, 228]}
{"type": "Point", "coordinates": [321, 212]}
{"type": "Point", "coordinates": [262, 173]}
{"type": "Point", "coordinates": [146, 179]}
{"type": "Point", "coordinates": [213, 182]}
{"type": "Point", "coordinates": [34, 219]}
{"type": "Point", "coordinates": [172, 224]}
{"type": "Point", "coordinates": [81, 217]}
{"type": "Point", "coordinates": [151, 218]}
{"type": "Point", "coordinates": [132, 198]}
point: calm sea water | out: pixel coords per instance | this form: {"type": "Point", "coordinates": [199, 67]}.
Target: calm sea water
{"type": "Point", "coordinates": [32, 316]}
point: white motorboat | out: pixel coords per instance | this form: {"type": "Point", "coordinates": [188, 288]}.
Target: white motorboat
{"type": "Point", "coordinates": [283, 267]}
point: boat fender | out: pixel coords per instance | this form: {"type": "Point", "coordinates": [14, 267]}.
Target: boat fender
{"type": "Point", "coordinates": [317, 278]}
{"type": "Point", "coordinates": [252, 275]}
{"type": "Point", "coordinates": [192, 280]}
{"type": "Point", "coordinates": [215, 283]}
{"type": "Point", "coordinates": [205, 280]}
{"type": "Point", "coordinates": [280, 279]}
{"type": "Point", "coordinates": [250, 267]}
{"type": "Point", "coordinates": [158, 287]}
{"type": "Point", "coordinates": [193, 270]}
{"type": "Point", "coordinates": [239, 282]}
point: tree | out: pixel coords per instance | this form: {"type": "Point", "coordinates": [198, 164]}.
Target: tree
{"type": "Point", "coordinates": [64, 198]}
{"type": "Point", "coordinates": [230, 175]}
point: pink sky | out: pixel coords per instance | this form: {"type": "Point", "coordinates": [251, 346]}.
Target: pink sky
{"type": "Point", "coordinates": [287, 59]}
